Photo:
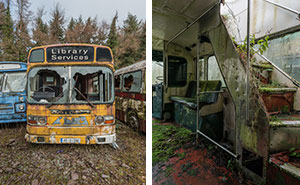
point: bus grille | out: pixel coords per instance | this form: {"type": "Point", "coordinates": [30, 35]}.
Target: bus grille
{"type": "Point", "coordinates": [6, 108]}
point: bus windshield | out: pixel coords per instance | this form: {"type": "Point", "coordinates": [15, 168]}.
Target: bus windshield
{"type": "Point", "coordinates": [13, 81]}
{"type": "Point", "coordinates": [70, 84]}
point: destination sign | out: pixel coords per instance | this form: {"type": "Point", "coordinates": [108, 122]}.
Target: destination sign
{"type": "Point", "coordinates": [70, 54]}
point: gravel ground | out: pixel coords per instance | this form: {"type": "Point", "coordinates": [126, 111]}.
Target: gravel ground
{"type": "Point", "coordinates": [26, 163]}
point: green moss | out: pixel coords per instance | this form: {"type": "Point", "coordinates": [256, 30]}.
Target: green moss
{"type": "Point", "coordinates": [249, 137]}
{"type": "Point", "coordinates": [193, 172]}
{"type": "Point", "coordinates": [169, 170]}
{"type": "Point", "coordinates": [285, 109]}
{"type": "Point", "coordinates": [181, 155]}
{"type": "Point", "coordinates": [264, 66]}
{"type": "Point", "coordinates": [274, 119]}
{"type": "Point", "coordinates": [157, 121]}
{"type": "Point", "coordinates": [267, 89]}
{"type": "Point", "coordinates": [166, 139]}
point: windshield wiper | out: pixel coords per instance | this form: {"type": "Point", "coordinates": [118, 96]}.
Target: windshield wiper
{"type": "Point", "coordinates": [92, 105]}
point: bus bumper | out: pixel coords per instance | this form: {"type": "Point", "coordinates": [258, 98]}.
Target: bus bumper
{"type": "Point", "coordinates": [71, 139]}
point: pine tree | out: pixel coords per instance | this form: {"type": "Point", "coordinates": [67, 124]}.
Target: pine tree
{"type": "Point", "coordinates": [103, 31]}
{"type": "Point", "coordinates": [112, 40]}
{"type": "Point", "coordinates": [40, 32]}
{"type": "Point", "coordinates": [23, 42]}
{"type": "Point", "coordinates": [7, 46]}
{"type": "Point", "coordinates": [130, 42]}
{"type": "Point", "coordinates": [57, 25]}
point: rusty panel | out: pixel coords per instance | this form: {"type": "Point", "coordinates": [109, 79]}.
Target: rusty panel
{"type": "Point", "coordinates": [71, 123]}
{"type": "Point", "coordinates": [276, 102]}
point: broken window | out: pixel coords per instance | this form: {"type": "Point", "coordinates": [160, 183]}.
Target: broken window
{"type": "Point", "coordinates": [14, 82]}
{"type": "Point", "coordinates": [48, 85]}
{"type": "Point", "coordinates": [70, 84]}
{"type": "Point", "coordinates": [92, 84]}
{"type": "Point", "coordinates": [132, 82]}
{"type": "Point", "coordinates": [118, 82]}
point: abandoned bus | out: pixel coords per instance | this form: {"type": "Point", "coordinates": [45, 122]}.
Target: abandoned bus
{"type": "Point", "coordinates": [13, 94]}
{"type": "Point", "coordinates": [130, 85]}
{"type": "Point", "coordinates": [248, 108]}
{"type": "Point", "coordinates": [70, 95]}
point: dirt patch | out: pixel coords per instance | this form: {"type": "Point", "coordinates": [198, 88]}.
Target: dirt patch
{"type": "Point", "coordinates": [26, 163]}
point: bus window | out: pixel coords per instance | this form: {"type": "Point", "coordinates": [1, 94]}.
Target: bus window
{"type": "Point", "coordinates": [92, 85]}
{"type": "Point", "coordinates": [47, 85]}
{"type": "Point", "coordinates": [118, 82]}
{"type": "Point", "coordinates": [37, 56]}
{"type": "Point", "coordinates": [132, 82]}
{"type": "Point", "coordinates": [214, 72]}
{"type": "Point", "coordinates": [15, 82]}
{"type": "Point", "coordinates": [177, 71]}
{"type": "Point", "coordinates": [103, 55]}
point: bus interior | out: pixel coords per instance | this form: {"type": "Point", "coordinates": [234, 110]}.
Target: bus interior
{"type": "Point", "coordinates": [208, 86]}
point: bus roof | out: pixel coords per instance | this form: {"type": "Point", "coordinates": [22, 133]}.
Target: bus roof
{"type": "Point", "coordinates": [12, 66]}
{"type": "Point", "coordinates": [133, 67]}
{"type": "Point", "coordinates": [70, 44]}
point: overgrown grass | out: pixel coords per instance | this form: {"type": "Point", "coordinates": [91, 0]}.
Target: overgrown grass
{"type": "Point", "coordinates": [166, 139]}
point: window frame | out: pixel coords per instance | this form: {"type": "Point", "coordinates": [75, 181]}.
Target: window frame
{"type": "Point", "coordinates": [182, 60]}
{"type": "Point", "coordinates": [123, 81]}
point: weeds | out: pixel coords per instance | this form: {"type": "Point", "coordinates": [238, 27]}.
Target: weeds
{"type": "Point", "coordinates": [166, 139]}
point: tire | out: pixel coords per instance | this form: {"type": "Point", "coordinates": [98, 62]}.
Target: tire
{"type": "Point", "coordinates": [133, 121]}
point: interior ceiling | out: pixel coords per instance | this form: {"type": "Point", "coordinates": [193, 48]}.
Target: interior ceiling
{"type": "Point", "coordinates": [171, 16]}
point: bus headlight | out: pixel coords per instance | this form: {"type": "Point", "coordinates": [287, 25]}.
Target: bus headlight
{"type": "Point", "coordinates": [20, 107]}
{"type": "Point", "coordinates": [42, 120]}
{"type": "Point", "coordinates": [39, 120]}
{"type": "Point", "coordinates": [21, 98]}
{"type": "Point", "coordinates": [99, 120]}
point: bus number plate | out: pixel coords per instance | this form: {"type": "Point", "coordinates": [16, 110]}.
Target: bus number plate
{"type": "Point", "coordinates": [70, 140]}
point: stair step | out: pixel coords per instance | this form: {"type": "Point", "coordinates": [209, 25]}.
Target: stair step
{"type": "Point", "coordinates": [277, 89]}
{"type": "Point", "coordinates": [282, 164]}
{"type": "Point", "coordinates": [284, 132]}
{"type": "Point", "coordinates": [267, 67]}
{"type": "Point", "coordinates": [285, 123]}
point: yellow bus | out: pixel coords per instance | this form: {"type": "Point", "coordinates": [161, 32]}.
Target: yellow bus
{"type": "Point", "coordinates": [70, 93]}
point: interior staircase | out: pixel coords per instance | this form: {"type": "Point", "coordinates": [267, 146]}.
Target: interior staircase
{"type": "Point", "coordinates": [279, 100]}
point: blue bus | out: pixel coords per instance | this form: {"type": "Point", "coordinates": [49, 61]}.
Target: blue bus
{"type": "Point", "coordinates": [12, 91]}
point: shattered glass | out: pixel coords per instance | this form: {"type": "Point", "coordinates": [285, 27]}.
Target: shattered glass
{"type": "Point", "coordinates": [132, 81]}
{"type": "Point", "coordinates": [70, 84]}
{"type": "Point", "coordinates": [93, 84]}
{"type": "Point", "coordinates": [13, 81]}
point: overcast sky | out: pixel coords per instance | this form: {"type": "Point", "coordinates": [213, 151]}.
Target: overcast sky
{"type": "Point", "coordinates": [103, 9]}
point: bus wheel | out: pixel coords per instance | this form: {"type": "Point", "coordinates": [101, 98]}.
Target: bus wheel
{"type": "Point", "coordinates": [133, 121]}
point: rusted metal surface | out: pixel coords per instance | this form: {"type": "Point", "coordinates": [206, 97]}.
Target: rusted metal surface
{"type": "Point", "coordinates": [70, 121]}
{"type": "Point", "coordinates": [133, 67]}
{"type": "Point", "coordinates": [276, 102]}
{"type": "Point", "coordinates": [131, 102]}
